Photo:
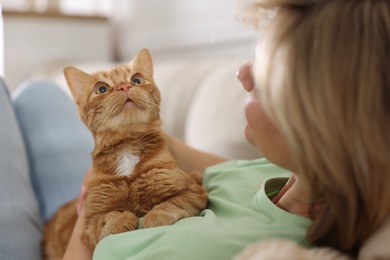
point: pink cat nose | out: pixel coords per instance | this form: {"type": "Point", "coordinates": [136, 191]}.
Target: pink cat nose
{"type": "Point", "coordinates": [124, 87]}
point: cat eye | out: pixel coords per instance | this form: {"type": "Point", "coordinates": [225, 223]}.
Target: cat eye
{"type": "Point", "coordinates": [101, 88]}
{"type": "Point", "coordinates": [136, 80]}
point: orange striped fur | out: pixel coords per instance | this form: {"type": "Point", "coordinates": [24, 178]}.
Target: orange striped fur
{"type": "Point", "coordinates": [134, 175]}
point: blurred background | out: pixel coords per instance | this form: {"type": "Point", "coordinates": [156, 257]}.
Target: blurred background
{"type": "Point", "coordinates": [40, 37]}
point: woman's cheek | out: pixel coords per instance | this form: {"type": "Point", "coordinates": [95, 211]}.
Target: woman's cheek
{"type": "Point", "coordinates": [253, 117]}
{"type": "Point", "coordinates": [260, 131]}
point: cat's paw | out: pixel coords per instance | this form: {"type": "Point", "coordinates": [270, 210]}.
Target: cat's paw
{"type": "Point", "coordinates": [196, 176]}
{"type": "Point", "coordinates": [157, 218]}
{"type": "Point", "coordinates": [117, 222]}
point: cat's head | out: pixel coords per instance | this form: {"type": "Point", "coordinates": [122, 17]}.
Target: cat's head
{"type": "Point", "coordinates": [125, 96]}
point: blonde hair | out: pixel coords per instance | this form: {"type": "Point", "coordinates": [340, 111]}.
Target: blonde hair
{"type": "Point", "coordinates": [324, 79]}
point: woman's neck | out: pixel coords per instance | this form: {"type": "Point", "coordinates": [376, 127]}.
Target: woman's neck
{"type": "Point", "coordinates": [295, 198]}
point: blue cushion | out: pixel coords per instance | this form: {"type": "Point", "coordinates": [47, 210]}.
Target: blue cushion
{"type": "Point", "coordinates": [57, 142]}
{"type": "Point", "coordinates": [20, 225]}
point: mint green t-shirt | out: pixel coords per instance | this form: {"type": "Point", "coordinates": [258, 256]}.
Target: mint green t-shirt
{"type": "Point", "coordinates": [239, 213]}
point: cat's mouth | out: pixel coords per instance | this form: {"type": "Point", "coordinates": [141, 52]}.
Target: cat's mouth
{"type": "Point", "coordinates": [128, 104]}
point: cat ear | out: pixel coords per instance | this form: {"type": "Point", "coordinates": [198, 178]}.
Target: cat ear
{"type": "Point", "coordinates": [143, 63]}
{"type": "Point", "coordinates": [77, 80]}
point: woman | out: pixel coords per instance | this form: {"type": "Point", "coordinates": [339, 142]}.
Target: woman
{"type": "Point", "coordinates": [319, 107]}
{"type": "Point", "coordinates": [322, 72]}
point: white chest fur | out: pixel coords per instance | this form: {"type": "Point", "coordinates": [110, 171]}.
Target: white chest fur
{"type": "Point", "coordinates": [126, 163]}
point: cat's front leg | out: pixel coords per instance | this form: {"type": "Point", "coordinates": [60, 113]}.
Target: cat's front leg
{"type": "Point", "coordinates": [113, 222]}
{"type": "Point", "coordinates": [117, 222]}
{"type": "Point", "coordinates": [189, 203]}
{"type": "Point", "coordinates": [105, 209]}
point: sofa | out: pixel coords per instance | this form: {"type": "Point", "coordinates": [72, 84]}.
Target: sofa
{"type": "Point", "coordinates": [42, 138]}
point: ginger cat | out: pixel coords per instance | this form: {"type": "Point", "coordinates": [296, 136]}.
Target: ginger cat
{"type": "Point", "coordinates": [134, 174]}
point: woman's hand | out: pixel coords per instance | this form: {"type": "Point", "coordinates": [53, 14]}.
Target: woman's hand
{"type": "Point", "coordinates": [83, 190]}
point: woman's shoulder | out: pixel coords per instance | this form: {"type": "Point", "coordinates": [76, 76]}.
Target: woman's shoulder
{"type": "Point", "coordinates": [257, 167]}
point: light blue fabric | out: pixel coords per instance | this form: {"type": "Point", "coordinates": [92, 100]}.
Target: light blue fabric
{"type": "Point", "coordinates": [20, 226]}
{"type": "Point", "coordinates": [58, 144]}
